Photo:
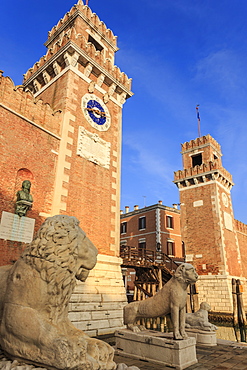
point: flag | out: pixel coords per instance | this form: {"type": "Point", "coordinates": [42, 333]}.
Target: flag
{"type": "Point", "coordinates": [197, 113]}
{"type": "Point", "coordinates": [198, 120]}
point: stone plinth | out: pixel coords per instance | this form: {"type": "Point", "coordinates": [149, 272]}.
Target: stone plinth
{"type": "Point", "coordinates": [203, 338]}
{"type": "Point", "coordinates": [157, 347]}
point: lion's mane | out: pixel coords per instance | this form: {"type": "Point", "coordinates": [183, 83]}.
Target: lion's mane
{"type": "Point", "coordinates": [53, 254]}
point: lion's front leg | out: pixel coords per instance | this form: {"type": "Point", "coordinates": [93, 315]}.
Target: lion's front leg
{"type": "Point", "coordinates": [182, 314]}
{"type": "Point", "coordinates": [175, 316]}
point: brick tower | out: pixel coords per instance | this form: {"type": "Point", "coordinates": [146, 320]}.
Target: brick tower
{"type": "Point", "coordinates": [78, 78]}
{"type": "Point", "coordinates": [207, 221]}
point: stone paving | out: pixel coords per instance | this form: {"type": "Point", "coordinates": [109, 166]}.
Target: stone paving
{"type": "Point", "coordinates": [226, 355]}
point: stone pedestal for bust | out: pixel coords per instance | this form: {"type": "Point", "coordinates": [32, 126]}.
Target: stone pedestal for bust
{"type": "Point", "coordinates": [203, 338]}
{"type": "Point", "coordinates": [157, 347]}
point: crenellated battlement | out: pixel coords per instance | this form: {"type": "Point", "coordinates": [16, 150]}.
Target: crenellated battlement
{"type": "Point", "coordinates": [23, 102]}
{"type": "Point", "coordinates": [211, 171]}
{"type": "Point", "coordinates": [80, 41]}
{"type": "Point", "coordinates": [200, 141]}
{"type": "Point", "coordinates": [92, 18]}
{"type": "Point", "coordinates": [241, 227]}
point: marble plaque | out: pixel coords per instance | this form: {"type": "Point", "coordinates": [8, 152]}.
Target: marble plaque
{"type": "Point", "coordinates": [228, 221]}
{"type": "Point", "coordinates": [91, 147]}
{"type": "Point", "coordinates": [198, 203]}
{"type": "Point", "coordinates": [19, 229]}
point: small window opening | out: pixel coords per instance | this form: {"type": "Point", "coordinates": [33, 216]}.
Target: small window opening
{"type": "Point", "coordinates": [215, 157]}
{"type": "Point", "coordinates": [196, 160]}
{"type": "Point", "coordinates": [141, 248]}
{"type": "Point", "coordinates": [123, 227]}
{"type": "Point", "coordinates": [170, 248]}
{"type": "Point", "coordinates": [142, 223]}
{"type": "Point", "coordinates": [169, 222]}
{"type": "Point", "coordinates": [95, 43]}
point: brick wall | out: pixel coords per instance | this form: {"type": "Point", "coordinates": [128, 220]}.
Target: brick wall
{"type": "Point", "coordinates": [28, 151]}
{"type": "Point", "coordinates": [134, 235]}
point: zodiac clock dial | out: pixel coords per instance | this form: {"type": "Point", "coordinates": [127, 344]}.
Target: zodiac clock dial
{"type": "Point", "coordinates": [96, 112]}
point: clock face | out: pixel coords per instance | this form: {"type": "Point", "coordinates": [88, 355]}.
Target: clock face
{"type": "Point", "coordinates": [96, 112]}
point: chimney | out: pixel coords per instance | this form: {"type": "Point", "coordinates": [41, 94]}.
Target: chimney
{"type": "Point", "coordinates": [121, 211]}
{"type": "Point", "coordinates": [127, 208]}
{"type": "Point", "coordinates": [136, 208]}
{"type": "Point", "coordinates": [160, 202]}
{"type": "Point", "coordinates": [175, 206]}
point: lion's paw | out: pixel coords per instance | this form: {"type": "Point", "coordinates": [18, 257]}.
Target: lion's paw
{"type": "Point", "coordinates": [184, 335]}
{"type": "Point", "coordinates": [177, 336]}
{"type": "Point", "coordinates": [134, 328]}
{"type": "Point", "coordinates": [102, 353]}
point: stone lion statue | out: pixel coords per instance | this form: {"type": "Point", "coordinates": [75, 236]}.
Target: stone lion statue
{"type": "Point", "coordinates": [199, 319]}
{"type": "Point", "coordinates": [171, 299]}
{"type": "Point", "coordinates": [34, 298]}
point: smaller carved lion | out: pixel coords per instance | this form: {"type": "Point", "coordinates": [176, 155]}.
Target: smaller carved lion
{"type": "Point", "coordinates": [34, 299]}
{"type": "Point", "coordinates": [171, 299]}
{"type": "Point", "coordinates": [199, 319]}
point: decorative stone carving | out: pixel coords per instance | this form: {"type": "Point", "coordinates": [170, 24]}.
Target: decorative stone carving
{"type": "Point", "coordinates": [112, 88]}
{"type": "Point", "coordinates": [106, 98]}
{"type": "Point", "coordinates": [199, 319]}
{"type": "Point", "coordinates": [88, 69]}
{"type": "Point", "coordinates": [24, 199]}
{"type": "Point", "coordinates": [91, 87]}
{"type": "Point", "coordinates": [34, 298]}
{"type": "Point", "coordinates": [171, 299]}
{"type": "Point", "coordinates": [100, 79]}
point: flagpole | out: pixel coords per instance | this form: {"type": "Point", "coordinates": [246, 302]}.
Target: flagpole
{"type": "Point", "coordinates": [198, 120]}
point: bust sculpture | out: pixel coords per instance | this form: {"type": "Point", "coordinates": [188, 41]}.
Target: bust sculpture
{"type": "Point", "coordinates": [199, 319]}
{"type": "Point", "coordinates": [34, 299]}
{"type": "Point", "coordinates": [24, 199]}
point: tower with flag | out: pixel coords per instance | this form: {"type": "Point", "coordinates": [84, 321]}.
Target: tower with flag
{"type": "Point", "coordinates": [214, 241]}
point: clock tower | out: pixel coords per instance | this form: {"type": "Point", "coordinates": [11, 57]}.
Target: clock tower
{"type": "Point", "coordinates": [78, 77]}
{"type": "Point", "coordinates": [207, 221]}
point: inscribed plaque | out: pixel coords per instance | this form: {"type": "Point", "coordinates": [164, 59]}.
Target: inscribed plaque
{"type": "Point", "coordinates": [16, 228]}
{"type": "Point", "coordinates": [91, 147]}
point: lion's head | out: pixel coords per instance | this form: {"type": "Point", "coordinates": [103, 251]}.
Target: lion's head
{"type": "Point", "coordinates": [186, 273]}
{"type": "Point", "coordinates": [61, 253]}
{"type": "Point", "coordinates": [205, 306]}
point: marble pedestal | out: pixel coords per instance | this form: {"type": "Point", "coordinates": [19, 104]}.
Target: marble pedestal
{"type": "Point", "coordinates": [203, 338]}
{"type": "Point", "coordinates": [156, 347]}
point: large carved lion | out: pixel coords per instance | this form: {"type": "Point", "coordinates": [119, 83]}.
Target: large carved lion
{"type": "Point", "coordinates": [171, 299]}
{"type": "Point", "coordinates": [34, 298]}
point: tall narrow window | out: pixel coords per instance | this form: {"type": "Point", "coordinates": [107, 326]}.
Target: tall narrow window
{"type": "Point", "coordinates": [123, 228]}
{"type": "Point", "coordinates": [170, 248]}
{"type": "Point", "coordinates": [169, 222]}
{"type": "Point", "coordinates": [142, 223]}
{"type": "Point", "coordinates": [141, 247]}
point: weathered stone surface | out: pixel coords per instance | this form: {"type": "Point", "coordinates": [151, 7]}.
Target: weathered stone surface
{"type": "Point", "coordinates": [34, 309]}
{"type": "Point", "coordinates": [199, 319]}
{"type": "Point", "coordinates": [171, 299]}
{"type": "Point", "coordinates": [156, 347]}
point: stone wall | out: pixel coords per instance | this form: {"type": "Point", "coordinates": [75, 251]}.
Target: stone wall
{"type": "Point", "coordinates": [96, 306]}
{"type": "Point", "coordinates": [217, 291]}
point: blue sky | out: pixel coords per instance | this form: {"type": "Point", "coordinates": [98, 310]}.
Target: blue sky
{"type": "Point", "coordinates": [179, 54]}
